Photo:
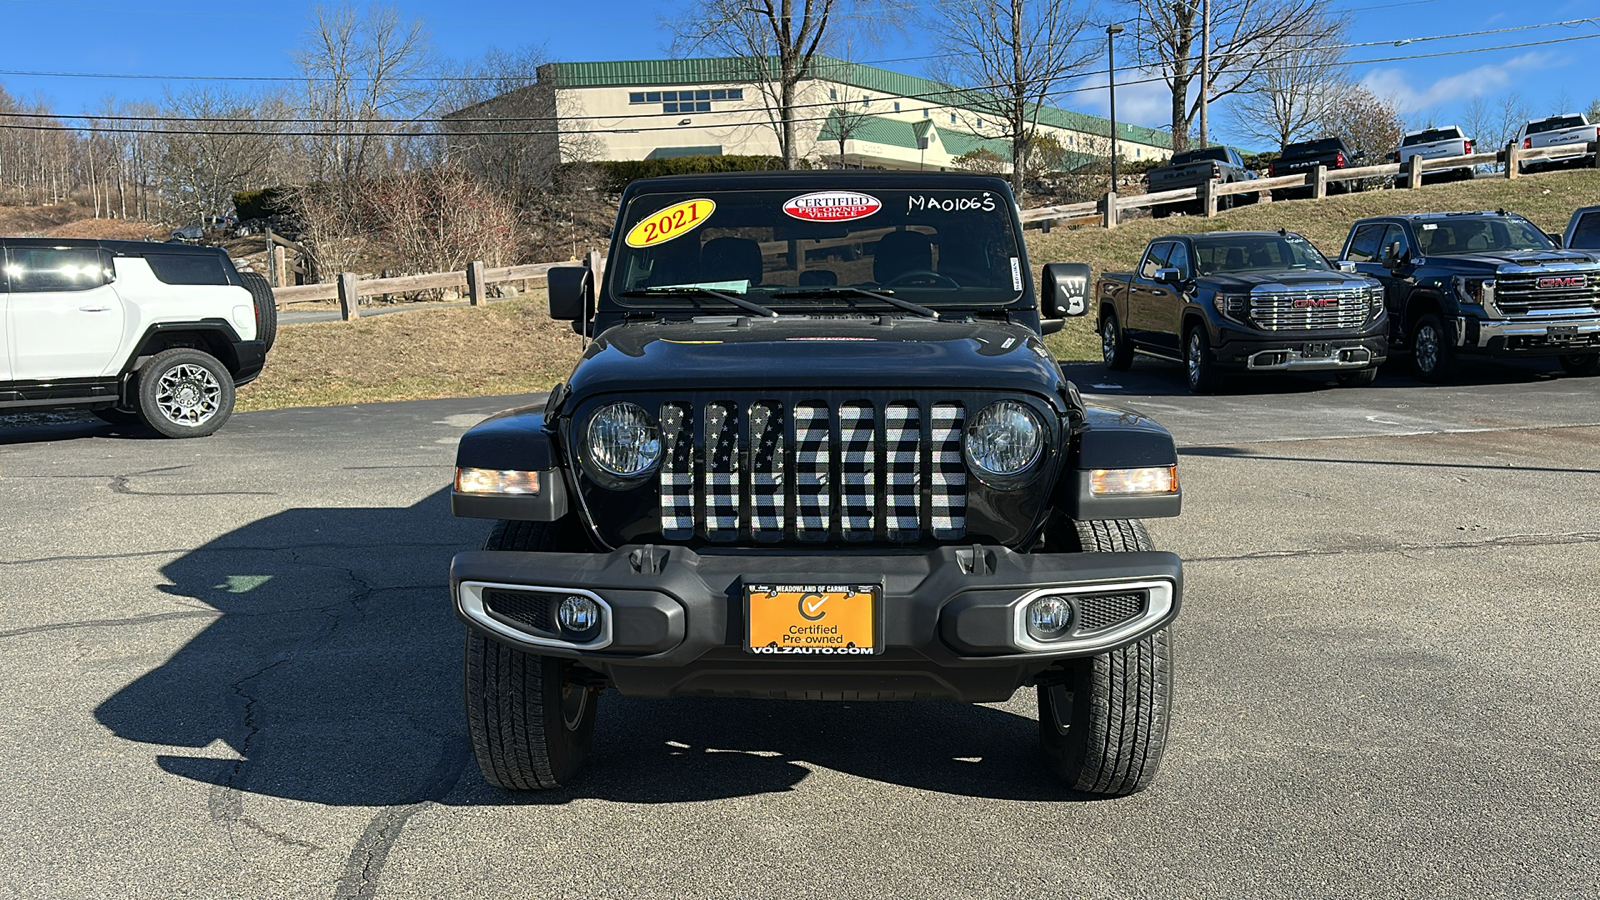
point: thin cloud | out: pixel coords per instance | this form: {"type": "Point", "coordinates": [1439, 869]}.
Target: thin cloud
{"type": "Point", "coordinates": [1493, 78]}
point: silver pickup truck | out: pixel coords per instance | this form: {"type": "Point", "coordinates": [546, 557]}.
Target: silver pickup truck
{"type": "Point", "coordinates": [1555, 131]}
{"type": "Point", "coordinates": [1434, 143]}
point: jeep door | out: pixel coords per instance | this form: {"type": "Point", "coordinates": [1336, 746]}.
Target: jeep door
{"type": "Point", "coordinates": [1151, 304]}
{"type": "Point", "coordinates": [65, 319]}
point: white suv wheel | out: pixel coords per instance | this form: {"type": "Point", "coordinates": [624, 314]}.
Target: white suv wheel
{"type": "Point", "coordinates": [188, 395]}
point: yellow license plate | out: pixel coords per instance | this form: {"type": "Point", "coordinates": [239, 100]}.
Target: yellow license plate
{"type": "Point", "coordinates": [812, 619]}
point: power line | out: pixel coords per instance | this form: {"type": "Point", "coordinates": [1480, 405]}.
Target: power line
{"type": "Point", "coordinates": [547, 133]}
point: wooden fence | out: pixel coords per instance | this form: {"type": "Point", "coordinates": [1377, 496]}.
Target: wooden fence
{"type": "Point", "coordinates": [348, 290]}
{"type": "Point", "coordinates": [1106, 211]}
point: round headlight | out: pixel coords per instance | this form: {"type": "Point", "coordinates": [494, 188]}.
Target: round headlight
{"type": "Point", "coordinates": [1004, 439]}
{"type": "Point", "coordinates": [623, 440]}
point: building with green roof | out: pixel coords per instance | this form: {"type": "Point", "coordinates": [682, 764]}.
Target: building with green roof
{"type": "Point", "coordinates": [845, 113]}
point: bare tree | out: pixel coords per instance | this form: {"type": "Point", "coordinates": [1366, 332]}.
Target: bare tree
{"type": "Point", "coordinates": [359, 66]}
{"type": "Point", "coordinates": [1247, 38]}
{"type": "Point", "coordinates": [1370, 124]}
{"type": "Point", "coordinates": [1593, 112]}
{"type": "Point", "coordinates": [1012, 54]}
{"type": "Point", "coordinates": [202, 165]}
{"type": "Point", "coordinates": [775, 45]}
{"type": "Point", "coordinates": [1293, 96]}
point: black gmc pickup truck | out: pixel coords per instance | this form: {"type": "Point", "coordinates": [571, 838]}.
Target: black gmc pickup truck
{"type": "Point", "coordinates": [781, 470]}
{"type": "Point", "coordinates": [1466, 284]}
{"type": "Point", "coordinates": [1257, 301]}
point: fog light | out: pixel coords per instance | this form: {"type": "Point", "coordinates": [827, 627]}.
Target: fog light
{"type": "Point", "coordinates": [1048, 618]}
{"type": "Point", "coordinates": [578, 615]}
{"type": "Point", "coordinates": [1153, 480]}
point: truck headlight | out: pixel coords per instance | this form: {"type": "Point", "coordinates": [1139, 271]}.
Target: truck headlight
{"type": "Point", "coordinates": [1478, 291]}
{"type": "Point", "coordinates": [1004, 439]}
{"type": "Point", "coordinates": [623, 440]}
{"type": "Point", "coordinates": [1232, 306]}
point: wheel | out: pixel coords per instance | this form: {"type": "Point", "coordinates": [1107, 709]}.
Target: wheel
{"type": "Point", "coordinates": [530, 721]}
{"type": "Point", "coordinates": [1581, 363]}
{"type": "Point", "coordinates": [266, 307]}
{"type": "Point", "coordinates": [1103, 724]}
{"type": "Point", "coordinates": [1430, 349]}
{"type": "Point", "coordinates": [123, 417]}
{"type": "Point", "coordinates": [1114, 345]}
{"type": "Point", "coordinates": [1199, 362]}
{"type": "Point", "coordinates": [1358, 378]}
{"type": "Point", "coordinates": [185, 393]}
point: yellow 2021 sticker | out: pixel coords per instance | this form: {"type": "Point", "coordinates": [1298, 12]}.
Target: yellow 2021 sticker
{"type": "Point", "coordinates": [676, 220]}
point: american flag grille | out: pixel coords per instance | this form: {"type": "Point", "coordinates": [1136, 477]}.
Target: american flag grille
{"type": "Point", "coordinates": [813, 471]}
{"type": "Point", "coordinates": [1521, 294]}
{"type": "Point", "coordinates": [1309, 310]}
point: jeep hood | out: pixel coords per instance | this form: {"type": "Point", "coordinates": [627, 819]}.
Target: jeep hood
{"type": "Point", "coordinates": [798, 352]}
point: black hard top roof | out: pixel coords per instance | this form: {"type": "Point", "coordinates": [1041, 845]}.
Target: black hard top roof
{"type": "Point", "coordinates": [118, 248]}
{"type": "Point", "coordinates": [821, 179]}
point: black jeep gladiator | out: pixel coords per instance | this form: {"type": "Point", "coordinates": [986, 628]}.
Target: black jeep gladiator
{"type": "Point", "coordinates": [1257, 301]}
{"type": "Point", "coordinates": [1466, 284]}
{"type": "Point", "coordinates": [783, 471]}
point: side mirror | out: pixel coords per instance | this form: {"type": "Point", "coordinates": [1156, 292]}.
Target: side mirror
{"type": "Point", "coordinates": [1391, 255]}
{"type": "Point", "coordinates": [1346, 265]}
{"type": "Point", "coordinates": [1064, 290]}
{"type": "Point", "coordinates": [571, 289]}
{"type": "Point", "coordinates": [1359, 154]}
{"type": "Point", "coordinates": [1168, 275]}
{"type": "Point", "coordinates": [1558, 239]}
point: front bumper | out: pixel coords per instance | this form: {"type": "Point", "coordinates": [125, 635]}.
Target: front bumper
{"type": "Point", "coordinates": [1301, 352]}
{"type": "Point", "coordinates": [1524, 337]}
{"type": "Point", "coordinates": [950, 617]}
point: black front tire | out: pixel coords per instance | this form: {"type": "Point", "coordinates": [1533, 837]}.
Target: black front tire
{"type": "Point", "coordinates": [1103, 720]}
{"type": "Point", "coordinates": [185, 393]}
{"type": "Point", "coordinates": [531, 722]}
{"type": "Point", "coordinates": [1431, 358]}
{"type": "Point", "coordinates": [1583, 364]}
{"type": "Point", "coordinates": [1358, 378]}
{"type": "Point", "coordinates": [1115, 348]}
{"type": "Point", "coordinates": [1200, 363]}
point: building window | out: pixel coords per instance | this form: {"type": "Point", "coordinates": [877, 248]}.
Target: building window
{"type": "Point", "coordinates": [865, 101]}
{"type": "Point", "coordinates": [685, 101]}
{"type": "Point", "coordinates": [952, 118]}
{"type": "Point", "coordinates": [833, 93]}
{"type": "Point", "coordinates": [897, 106]}
{"type": "Point", "coordinates": [927, 113]}
{"type": "Point", "coordinates": [1137, 153]}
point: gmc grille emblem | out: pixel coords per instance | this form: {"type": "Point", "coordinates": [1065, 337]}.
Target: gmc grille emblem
{"type": "Point", "coordinates": [1315, 302]}
{"type": "Point", "coordinates": [1556, 282]}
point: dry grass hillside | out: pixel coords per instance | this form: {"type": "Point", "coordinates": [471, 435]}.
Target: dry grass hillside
{"type": "Point", "coordinates": [69, 220]}
{"type": "Point", "coordinates": [1548, 200]}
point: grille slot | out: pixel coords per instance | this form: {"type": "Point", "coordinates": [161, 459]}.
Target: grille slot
{"type": "Point", "coordinates": [813, 471]}
{"type": "Point", "coordinates": [1098, 612]}
{"type": "Point", "coordinates": [1520, 294]}
{"type": "Point", "coordinates": [531, 610]}
{"type": "Point", "coordinates": [1280, 312]}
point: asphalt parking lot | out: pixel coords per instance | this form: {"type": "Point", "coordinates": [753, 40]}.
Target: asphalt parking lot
{"type": "Point", "coordinates": [230, 668]}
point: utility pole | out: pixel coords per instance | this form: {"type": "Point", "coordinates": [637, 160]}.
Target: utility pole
{"type": "Point", "coordinates": [1205, 70]}
{"type": "Point", "coordinates": [1111, 70]}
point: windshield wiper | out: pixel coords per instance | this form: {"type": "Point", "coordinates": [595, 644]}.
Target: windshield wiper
{"type": "Point", "coordinates": [736, 300]}
{"type": "Point", "coordinates": [858, 292]}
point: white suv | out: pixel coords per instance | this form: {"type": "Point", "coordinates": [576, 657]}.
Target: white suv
{"type": "Point", "coordinates": [133, 331]}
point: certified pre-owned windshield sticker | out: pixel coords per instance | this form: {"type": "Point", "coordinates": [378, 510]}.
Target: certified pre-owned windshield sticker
{"type": "Point", "coordinates": [831, 206]}
{"type": "Point", "coordinates": [676, 220]}
{"type": "Point", "coordinates": [917, 203]}
{"type": "Point", "coordinates": [1016, 274]}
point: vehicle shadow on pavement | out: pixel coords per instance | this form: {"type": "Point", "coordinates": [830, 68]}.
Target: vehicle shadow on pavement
{"type": "Point", "coordinates": [43, 427]}
{"type": "Point", "coordinates": [332, 674]}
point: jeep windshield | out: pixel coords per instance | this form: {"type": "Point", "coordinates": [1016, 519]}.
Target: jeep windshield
{"type": "Point", "coordinates": [1487, 235]}
{"type": "Point", "coordinates": [1257, 253]}
{"type": "Point", "coordinates": [793, 249]}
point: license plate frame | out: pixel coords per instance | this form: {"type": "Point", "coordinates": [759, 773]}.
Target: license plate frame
{"type": "Point", "coordinates": [1562, 333]}
{"type": "Point", "coordinates": [773, 609]}
{"type": "Point", "coordinates": [1320, 350]}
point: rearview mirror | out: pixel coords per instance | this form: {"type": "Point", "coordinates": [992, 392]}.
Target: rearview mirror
{"type": "Point", "coordinates": [1064, 290]}
{"type": "Point", "coordinates": [570, 290]}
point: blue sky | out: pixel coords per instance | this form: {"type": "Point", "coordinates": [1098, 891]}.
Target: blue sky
{"type": "Point", "coordinates": [176, 37]}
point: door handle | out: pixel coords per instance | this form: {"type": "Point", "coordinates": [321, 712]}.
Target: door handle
{"type": "Point", "coordinates": [94, 308]}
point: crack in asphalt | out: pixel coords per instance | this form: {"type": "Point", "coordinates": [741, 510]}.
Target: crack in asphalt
{"type": "Point", "coordinates": [364, 866]}
{"type": "Point", "coordinates": [112, 623]}
{"type": "Point", "coordinates": [225, 805]}
{"type": "Point", "coordinates": [1508, 540]}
